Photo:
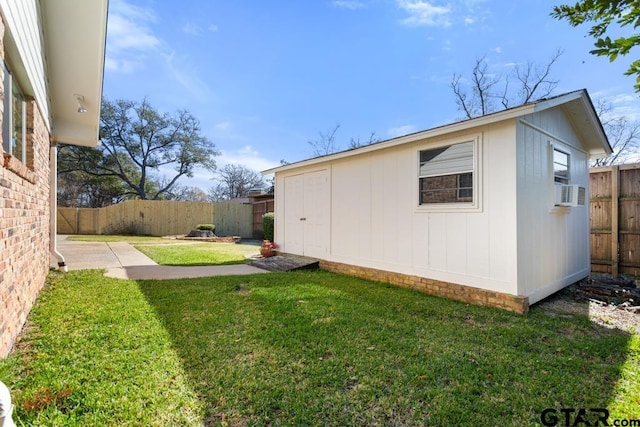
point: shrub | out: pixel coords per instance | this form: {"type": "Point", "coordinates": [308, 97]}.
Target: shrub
{"type": "Point", "coordinates": [267, 225]}
{"type": "Point", "coordinates": [208, 227]}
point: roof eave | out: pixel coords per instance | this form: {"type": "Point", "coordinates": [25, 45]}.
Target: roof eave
{"type": "Point", "coordinates": [430, 133]}
{"type": "Point", "coordinates": [74, 36]}
{"type": "Point", "coordinates": [597, 143]}
{"type": "Point", "coordinates": [579, 107]}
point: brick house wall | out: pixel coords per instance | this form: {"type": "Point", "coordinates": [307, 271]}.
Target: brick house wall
{"type": "Point", "coordinates": [24, 223]}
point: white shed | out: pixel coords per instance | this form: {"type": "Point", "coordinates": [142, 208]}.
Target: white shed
{"type": "Point", "coordinates": [491, 210]}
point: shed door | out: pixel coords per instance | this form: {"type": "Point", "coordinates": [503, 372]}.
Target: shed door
{"type": "Point", "coordinates": [306, 200]}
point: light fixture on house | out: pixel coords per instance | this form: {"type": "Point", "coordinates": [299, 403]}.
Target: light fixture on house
{"type": "Point", "coordinates": [81, 106]}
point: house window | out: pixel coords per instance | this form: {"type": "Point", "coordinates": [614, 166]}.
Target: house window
{"type": "Point", "coordinates": [14, 118]}
{"type": "Point", "coordinates": [446, 174]}
{"type": "Point", "coordinates": [560, 167]}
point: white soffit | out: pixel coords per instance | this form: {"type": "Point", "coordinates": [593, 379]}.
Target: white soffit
{"type": "Point", "coordinates": [74, 34]}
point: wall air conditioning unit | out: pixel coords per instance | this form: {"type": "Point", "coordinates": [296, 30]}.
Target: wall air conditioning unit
{"type": "Point", "coordinates": [570, 195]}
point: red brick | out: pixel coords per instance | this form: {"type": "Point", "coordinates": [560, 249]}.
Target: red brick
{"type": "Point", "coordinates": [24, 226]}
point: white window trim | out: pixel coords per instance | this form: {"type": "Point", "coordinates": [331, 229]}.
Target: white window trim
{"type": "Point", "coordinates": [476, 205]}
{"type": "Point", "coordinates": [557, 146]}
{"type": "Point", "coordinates": [8, 107]}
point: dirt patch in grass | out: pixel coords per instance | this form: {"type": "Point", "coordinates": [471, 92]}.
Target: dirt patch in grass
{"type": "Point", "coordinates": [609, 302]}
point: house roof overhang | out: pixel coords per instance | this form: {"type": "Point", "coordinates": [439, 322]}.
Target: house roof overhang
{"type": "Point", "coordinates": [581, 113]}
{"type": "Point", "coordinates": [74, 34]}
{"type": "Point", "coordinates": [577, 105]}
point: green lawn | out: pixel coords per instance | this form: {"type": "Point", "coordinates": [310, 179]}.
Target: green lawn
{"type": "Point", "coordinates": [182, 252]}
{"type": "Point", "coordinates": [304, 348]}
{"type": "Point", "coordinates": [191, 254]}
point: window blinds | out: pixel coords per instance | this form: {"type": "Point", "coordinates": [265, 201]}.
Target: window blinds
{"type": "Point", "coordinates": [454, 159]}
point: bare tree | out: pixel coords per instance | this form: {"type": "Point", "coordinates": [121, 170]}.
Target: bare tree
{"type": "Point", "coordinates": [478, 99]}
{"type": "Point", "coordinates": [534, 81]}
{"type": "Point", "coordinates": [326, 144]}
{"type": "Point", "coordinates": [479, 96]}
{"type": "Point", "coordinates": [184, 193]}
{"type": "Point", "coordinates": [235, 181]}
{"type": "Point", "coordinates": [623, 135]}
{"type": "Point", "coordinates": [355, 143]}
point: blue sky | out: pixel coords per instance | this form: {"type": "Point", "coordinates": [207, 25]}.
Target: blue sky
{"type": "Point", "coordinates": [265, 77]}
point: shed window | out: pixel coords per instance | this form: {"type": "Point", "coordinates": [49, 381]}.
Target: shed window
{"type": "Point", "coordinates": [446, 174]}
{"type": "Point", "coordinates": [560, 167]}
{"type": "Point", "coordinates": [14, 119]}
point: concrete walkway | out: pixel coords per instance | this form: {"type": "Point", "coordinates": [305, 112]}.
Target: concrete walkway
{"type": "Point", "coordinates": [123, 261]}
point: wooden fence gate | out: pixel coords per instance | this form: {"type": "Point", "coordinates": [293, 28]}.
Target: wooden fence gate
{"type": "Point", "coordinates": [261, 205]}
{"type": "Point", "coordinates": [615, 219]}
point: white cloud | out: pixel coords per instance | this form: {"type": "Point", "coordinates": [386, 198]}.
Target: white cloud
{"type": "Point", "coordinates": [222, 126]}
{"type": "Point", "coordinates": [185, 74]}
{"type": "Point", "coordinates": [475, 11]}
{"type": "Point", "coordinates": [423, 13]}
{"type": "Point", "coordinates": [429, 13]}
{"type": "Point", "coordinates": [622, 105]}
{"type": "Point", "coordinates": [246, 156]}
{"type": "Point", "coordinates": [129, 38]}
{"type": "Point", "coordinates": [192, 29]}
{"type": "Point", "coordinates": [401, 131]}
{"type": "Point", "coordinates": [497, 49]}
{"type": "Point", "coordinates": [132, 44]}
{"type": "Point", "coordinates": [120, 65]}
{"type": "Point", "coordinates": [348, 4]}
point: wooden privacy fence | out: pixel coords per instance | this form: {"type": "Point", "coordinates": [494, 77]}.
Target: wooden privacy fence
{"type": "Point", "coordinates": [157, 218]}
{"type": "Point", "coordinates": [615, 219]}
{"type": "Point", "coordinates": [261, 205]}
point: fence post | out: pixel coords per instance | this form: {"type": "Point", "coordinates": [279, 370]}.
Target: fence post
{"type": "Point", "coordinates": [615, 230]}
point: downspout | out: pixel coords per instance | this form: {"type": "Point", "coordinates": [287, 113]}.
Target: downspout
{"type": "Point", "coordinates": [53, 206]}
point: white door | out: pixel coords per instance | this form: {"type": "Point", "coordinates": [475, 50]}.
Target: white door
{"type": "Point", "coordinates": [307, 207]}
{"type": "Point", "coordinates": [293, 214]}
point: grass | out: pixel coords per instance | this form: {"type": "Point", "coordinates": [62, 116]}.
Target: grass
{"type": "Point", "coordinates": [192, 254]}
{"type": "Point", "coordinates": [96, 354]}
{"type": "Point", "coordinates": [306, 348]}
{"type": "Point", "coordinates": [181, 252]}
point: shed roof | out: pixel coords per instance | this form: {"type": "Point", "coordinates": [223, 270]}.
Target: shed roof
{"type": "Point", "coordinates": [74, 34]}
{"type": "Point", "coordinates": [577, 105]}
